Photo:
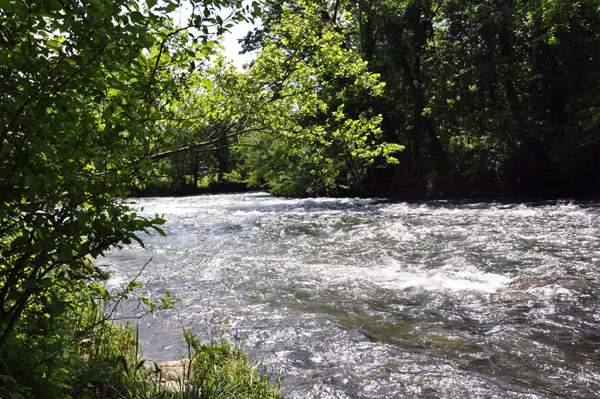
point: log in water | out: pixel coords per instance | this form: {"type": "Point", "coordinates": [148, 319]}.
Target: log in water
{"type": "Point", "coordinates": [366, 298]}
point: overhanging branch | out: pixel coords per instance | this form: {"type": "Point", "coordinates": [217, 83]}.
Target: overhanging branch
{"type": "Point", "coordinates": [196, 147]}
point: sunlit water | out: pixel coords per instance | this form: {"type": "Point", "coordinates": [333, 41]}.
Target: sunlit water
{"type": "Point", "coordinates": [355, 298]}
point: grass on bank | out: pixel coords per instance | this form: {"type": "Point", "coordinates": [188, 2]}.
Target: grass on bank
{"type": "Point", "coordinates": [80, 354]}
{"type": "Point", "coordinates": [209, 183]}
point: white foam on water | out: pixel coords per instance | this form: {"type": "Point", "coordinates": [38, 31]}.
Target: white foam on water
{"type": "Point", "coordinates": [247, 257]}
{"type": "Point", "coordinates": [441, 280]}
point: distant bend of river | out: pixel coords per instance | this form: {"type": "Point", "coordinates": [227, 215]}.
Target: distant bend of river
{"type": "Point", "coordinates": [366, 298]}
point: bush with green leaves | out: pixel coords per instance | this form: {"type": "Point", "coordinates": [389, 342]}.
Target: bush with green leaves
{"type": "Point", "coordinates": [79, 357]}
{"type": "Point", "coordinates": [88, 94]}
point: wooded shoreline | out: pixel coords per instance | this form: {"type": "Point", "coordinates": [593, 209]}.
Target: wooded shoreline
{"type": "Point", "coordinates": [230, 188]}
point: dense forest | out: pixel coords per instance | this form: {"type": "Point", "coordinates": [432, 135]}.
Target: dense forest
{"type": "Point", "coordinates": [487, 98]}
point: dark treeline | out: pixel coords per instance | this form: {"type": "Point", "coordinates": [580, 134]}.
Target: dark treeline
{"type": "Point", "coordinates": [488, 98]}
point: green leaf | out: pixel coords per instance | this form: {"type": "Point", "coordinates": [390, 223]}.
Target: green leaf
{"type": "Point", "coordinates": [29, 284]}
{"type": "Point", "coordinates": [100, 290]}
{"type": "Point", "coordinates": [208, 84]}
{"type": "Point", "coordinates": [31, 180]}
{"type": "Point", "coordinates": [140, 364]}
{"type": "Point", "coordinates": [58, 308]}
{"type": "Point", "coordinates": [136, 17]}
{"type": "Point", "coordinates": [12, 382]}
{"type": "Point", "coordinates": [48, 5]}
{"type": "Point", "coordinates": [171, 7]}
{"type": "Point", "coordinates": [40, 368]}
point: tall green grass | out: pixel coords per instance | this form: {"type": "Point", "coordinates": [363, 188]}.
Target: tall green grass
{"type": "Point", "coordinates": [87, 356]}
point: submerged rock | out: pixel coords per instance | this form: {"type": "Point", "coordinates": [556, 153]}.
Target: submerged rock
{"type": "Point", "coordinates": [529, 287]}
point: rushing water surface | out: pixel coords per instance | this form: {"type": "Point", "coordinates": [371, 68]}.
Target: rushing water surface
{"type": "Point", "coordinates": [366, 298]}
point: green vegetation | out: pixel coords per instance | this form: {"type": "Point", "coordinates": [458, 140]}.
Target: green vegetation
{"type": "Point", "coordinates": [489, 98]}
{"type": "Point", "coordinates": [284, 123]}
{"type": "Point", "coordinates": [380, 97]}
{"type": "Point", "coordinates": [222, 370]}
{"type": "Point", "coordinates": [97, 98]}
{"type": "Point", "coordinates": [90, 355]}
{"type": "Point", "coordinates": [77, 357]}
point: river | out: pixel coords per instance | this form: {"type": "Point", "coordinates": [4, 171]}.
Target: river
{"type": "Point", "coordinates": [368, 298]}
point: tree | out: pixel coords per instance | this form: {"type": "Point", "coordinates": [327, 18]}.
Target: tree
{"type": "Point", "coordinates": [320, 105]}
{"type": "Point", "coordinates": [513, 83]}
{"type": "Point", "coordinates": [89, 94]}
{"type": "Point", "coordinates": [299, 119]}
{"type": "Point", "coordinates": [488, 97]}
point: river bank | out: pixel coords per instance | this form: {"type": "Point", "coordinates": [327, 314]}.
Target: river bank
{"type": "Point", "coordinates": [90, 353]}
{"type": "Point", "coordinates": [160, 188]}
{"type": "Point", "coordinates": [164, 190]}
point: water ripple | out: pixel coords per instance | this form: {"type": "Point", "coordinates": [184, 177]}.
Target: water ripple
{"type": "Point", "coordinates": [368, 298]}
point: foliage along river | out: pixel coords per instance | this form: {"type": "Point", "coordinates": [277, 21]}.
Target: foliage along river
{"type": "Point", "coordinates": [365, 298]}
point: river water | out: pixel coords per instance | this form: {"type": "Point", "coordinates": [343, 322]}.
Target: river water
{"type": "Point", "coordinates": [367, 298]}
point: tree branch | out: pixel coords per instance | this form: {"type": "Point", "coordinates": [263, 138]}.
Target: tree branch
{"type": "Point", "coordinates": [195, 147]}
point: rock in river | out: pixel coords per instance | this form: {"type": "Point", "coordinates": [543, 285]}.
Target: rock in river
{"type": "Point", "coordinates": [529, 287]}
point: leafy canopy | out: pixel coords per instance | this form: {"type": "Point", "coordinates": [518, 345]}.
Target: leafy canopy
{"type": "Point", "coordinates": [298, 119]}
